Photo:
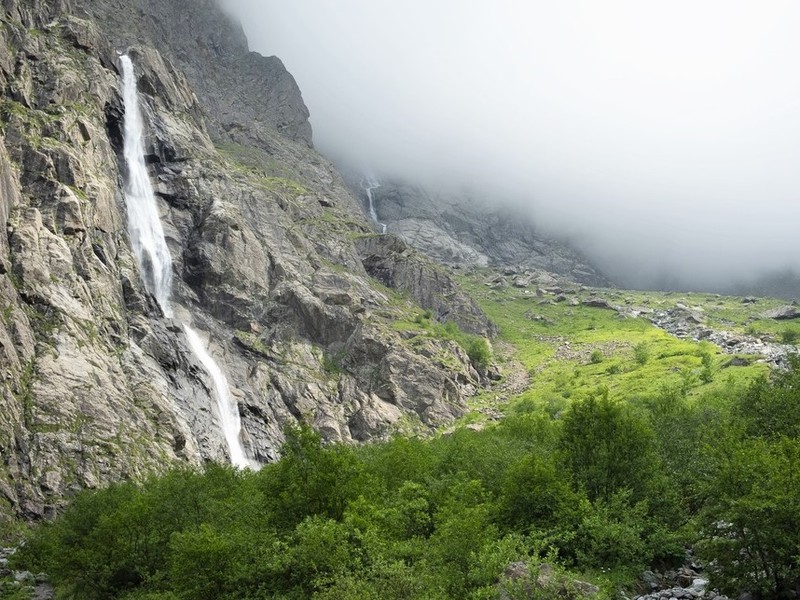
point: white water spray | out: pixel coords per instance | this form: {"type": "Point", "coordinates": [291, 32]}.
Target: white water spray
{"type": "Point", "coordinates": [231, 421]}
{"type": "Point", "coordinates": [144, 225]}
{"type": "Point", "coordinates": [155, 261]}
{"type": "Point", "coordinates": [370, 183]}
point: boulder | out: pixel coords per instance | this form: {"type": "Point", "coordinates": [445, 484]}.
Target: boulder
{"type": "Point", "coordinates": [598, 302]}
{"type": "Point", "coordinates": [784, 312]}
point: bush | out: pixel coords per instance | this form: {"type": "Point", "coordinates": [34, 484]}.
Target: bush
{"type": "Point", "coordinates": [641, 353]}
{"type": "Point", "coordinates": [789, 336]}
{"type": "Point", "coordinates": [707, 372]}
{"type": "Point", "coordinates": [607, 448]}
{"type": "Point", "coordinates": [612, 534]}
{"type": "Point", "coordinates": [423, 318]}
{"type": "Point", "coordinates": [479, 352]}
{"type": "Point", "coordinates": [596, 357]}
{"type": "Point", "coordinates": [752, 517]}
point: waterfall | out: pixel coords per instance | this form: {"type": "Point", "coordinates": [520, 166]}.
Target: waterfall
{"type": "Point", "coordinates": [369, 183]}
{"type": "Point", "coordinates": [155, 261]}
{"type": "Point", "coordinates": [228, 411]}
{"type": "Point", "coordinates": [144, 225]}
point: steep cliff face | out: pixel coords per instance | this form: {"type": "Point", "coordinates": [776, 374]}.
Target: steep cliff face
{"type": "Point", "coordinates": [273, 262]}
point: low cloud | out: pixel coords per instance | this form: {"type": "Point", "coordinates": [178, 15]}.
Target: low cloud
{"type": "Point", "coordinates": [663, 138]}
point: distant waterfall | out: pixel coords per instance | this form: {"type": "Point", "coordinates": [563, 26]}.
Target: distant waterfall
{"type": "Point", "coordinates": [155, 261]}
{"type": "Point", "coordinates": [369, 183]}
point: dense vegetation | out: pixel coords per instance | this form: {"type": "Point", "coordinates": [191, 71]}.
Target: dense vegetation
{"type": "Point", "coordinates": [619, 448]}
{"type": "Point", "coordinates": [604, 489]}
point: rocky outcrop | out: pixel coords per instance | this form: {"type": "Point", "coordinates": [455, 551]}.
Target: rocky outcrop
{"type": "Point", "coordinates": [686, 583]}
{"type": "Point", "coordinates": [782, 313]}
{"type": "Point", "coordinates": [268, 263]}
{"type": "Point", "coordinates": [390, 260]}
{"type": "Point", "coordinates": [245, 96]}
{"type": "Point", "coordinates": [462, 229]}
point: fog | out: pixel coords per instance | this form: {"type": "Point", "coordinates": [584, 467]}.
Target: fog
{"type": "Point", "coordinates": [661, 137]}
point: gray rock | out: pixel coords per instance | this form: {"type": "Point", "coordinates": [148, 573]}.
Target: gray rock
{"type": "Point", "coordinates": [597, 302]}
{"type": "Point", "coordinates": [457, 228]}
{"type": "Point", "coordinates": [782, 313]}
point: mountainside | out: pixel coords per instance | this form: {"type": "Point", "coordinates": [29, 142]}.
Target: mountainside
{"type": "Point", "coordinates": [469, 230]}
{"type": "Point", "coordinates": [274, 262]}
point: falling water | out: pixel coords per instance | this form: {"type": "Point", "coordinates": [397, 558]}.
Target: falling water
{"type": "Point", "coordinates": [228, 412]}
{"type": "Point", "coordinates": [144, 225]}
{"type": "Point", "coordinates": [155, 261]}
{"type": "Point", "coordinates": [370, 183]}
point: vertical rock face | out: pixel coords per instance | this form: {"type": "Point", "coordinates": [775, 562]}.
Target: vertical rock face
{"type": "Point", "coordinates": [272, 262]}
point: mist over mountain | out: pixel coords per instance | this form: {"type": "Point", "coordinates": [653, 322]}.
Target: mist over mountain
{"type": "Point", "coordinates": [660, 139]}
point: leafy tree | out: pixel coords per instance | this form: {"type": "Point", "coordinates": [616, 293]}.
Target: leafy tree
{"type": "Point", "coordinates": [770, 408]}
{"type": "Point", "coordinates": [311, 480]}
{"type": "Point", "coordinates": [752, 516]}
{"type": "Point", "coordinates": [607, 448]}
{"type": "Point", "coordinates": [536, 495]}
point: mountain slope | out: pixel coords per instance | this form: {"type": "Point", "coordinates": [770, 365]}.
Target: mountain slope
{"type": "Point", "coordinates": [468, 229]}
{"type": "Point", "coordinates": [272, 260]}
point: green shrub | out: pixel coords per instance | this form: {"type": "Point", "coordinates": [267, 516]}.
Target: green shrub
{"type": "Point", "coordinates": [424, 317]}
{"type": "Point", "coordinates": [596, 357]}
{"type": "Point", "coordinates": [641, 353]}
{"type": "Point", "coordinates": [479, 352]}
{"type": "Point", "coordinates": [607, 448]}
{"type": "Point", "coordinates": [789, 336]}
{"type": "Point", "coordinates": [614, 369]}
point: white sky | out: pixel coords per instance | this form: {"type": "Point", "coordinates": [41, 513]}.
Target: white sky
{"type": "Point", "coordinates": [664, 136]}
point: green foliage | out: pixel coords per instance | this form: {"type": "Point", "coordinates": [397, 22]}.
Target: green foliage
{"type": "Point", "coordinates": [596, 357]}
{"type": "Point", "coordinates": [707, 372]}
{"type": "Point", "coordinates": [753, 515]}
{"type": "Point", "coordinates": [424, 318]}
{"type": "Point", "coordinates": [535, 493]}
{"type": "Point", "coordinates": [770, 408]}
{"type": "Point", "coordinates": [607, 448]}
{"type": "Point", "coordinates": [608, 485]}
{"type": "Point", "coordinates": [641, 353]}
{"type": "Point", "coordinates": [789, 336]}
{"type": "Point", "coordinates": [479, 352]}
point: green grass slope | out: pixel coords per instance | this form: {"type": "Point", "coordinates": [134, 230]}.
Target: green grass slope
{"type": "Point", "coordinates": [570, 350]}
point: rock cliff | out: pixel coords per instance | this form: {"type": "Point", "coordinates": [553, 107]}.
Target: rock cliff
{"type": "Point", "coordinates": [310, 314]}
{"type": "Point", "coordinates": [465, 229]}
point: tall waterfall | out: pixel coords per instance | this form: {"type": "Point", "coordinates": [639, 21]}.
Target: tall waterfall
{"type": "Point", "coordinates": [144, 225]}
{"type": "Point", "coordinates": [155, 261]}
{"type": "Point", "coordinates": [369, 183]}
